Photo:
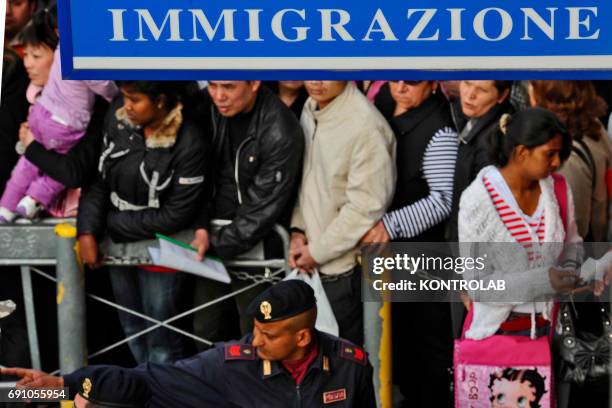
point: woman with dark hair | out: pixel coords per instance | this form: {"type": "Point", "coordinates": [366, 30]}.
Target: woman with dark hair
{"type": "Point", "coordinates": [514, 201]}
{"type": "Point", "coordinates": [57, 119]}
{"type": "Point", "coordinates": [426, 152]}
{"type": "Point", "coordinates": [521, 208]}
{"type": "Point", "coordinates": [577, 105]}
{"type": "Point", "coordinates": [39, 43]}
{"type": "Point", "coordinates": [75, 168]}
{"type": "Point", "coordinates": [481, 105]}
{"type": "Point", "coordinates": [150, 180]}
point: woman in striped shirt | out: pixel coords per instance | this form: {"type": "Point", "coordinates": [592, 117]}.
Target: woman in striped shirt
{"type": "Point", "coordinates": [515, 202]}
{"type": "Point", "coordinates": [426, 152]}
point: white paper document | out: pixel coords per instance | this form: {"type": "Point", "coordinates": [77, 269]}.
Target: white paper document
{"type": "Point", "coordinates": [595, 269]}
{"type": "Point", "coordinates": [171, 255]}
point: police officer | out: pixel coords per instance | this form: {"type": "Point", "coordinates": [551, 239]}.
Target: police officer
{"type": "Point", "coordinates": [284, 363]}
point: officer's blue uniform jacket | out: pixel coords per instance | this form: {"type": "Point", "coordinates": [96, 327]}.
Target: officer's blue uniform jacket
{"type": "Point", "coordinates": [231, 375]}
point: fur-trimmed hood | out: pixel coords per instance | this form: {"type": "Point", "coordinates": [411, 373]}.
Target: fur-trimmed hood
{"type": "Point", "coordinates": [148, 188]}
{"type": "Point", "coordinates": [165, 135]}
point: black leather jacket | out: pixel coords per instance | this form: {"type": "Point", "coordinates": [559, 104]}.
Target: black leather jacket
{"type": "Point", "coordinates": [144, 187]}
{"type": "Point", "coordinates": [269, 164]}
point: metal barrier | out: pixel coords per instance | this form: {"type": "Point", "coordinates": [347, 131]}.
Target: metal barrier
{"type": "Point", "coordinates": [25, 244]}
{"type": "Point", "coordinates": [52, 242]}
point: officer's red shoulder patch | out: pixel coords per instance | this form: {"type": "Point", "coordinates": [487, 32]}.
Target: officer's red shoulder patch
{"type": "Point", "coordinates": [236, 351]}
{"type": "Point", "coordinates": [349, 351]}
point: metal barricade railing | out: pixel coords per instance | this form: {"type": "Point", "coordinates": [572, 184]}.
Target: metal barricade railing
{"type": "Point", "coordinates": [25, 244]}
{"type": "Point", "coordinates": [52, 242]}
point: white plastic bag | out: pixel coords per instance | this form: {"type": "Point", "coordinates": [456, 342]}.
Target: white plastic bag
{"type": "Point", "coordinates": [326, 321]}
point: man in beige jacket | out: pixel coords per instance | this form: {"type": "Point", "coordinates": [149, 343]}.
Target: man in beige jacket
{"type": "Point", "coordinates": [348, 182]}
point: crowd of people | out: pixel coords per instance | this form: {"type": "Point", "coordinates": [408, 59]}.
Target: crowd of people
{"type": "Point", "coordinates": [339, 164]}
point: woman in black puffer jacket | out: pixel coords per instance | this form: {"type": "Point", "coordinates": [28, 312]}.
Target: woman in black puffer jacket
{"type": "Point", "coordinates": [151, 175]}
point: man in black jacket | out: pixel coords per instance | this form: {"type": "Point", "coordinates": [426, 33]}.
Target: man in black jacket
{"type": "Point", "coordinates": [258, 146]}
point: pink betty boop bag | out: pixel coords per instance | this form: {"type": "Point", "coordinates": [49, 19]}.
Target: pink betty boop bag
{"type": "Point", "coordinates": [502, 370]}
{"type": "Point", "coordinates": [506, 370]}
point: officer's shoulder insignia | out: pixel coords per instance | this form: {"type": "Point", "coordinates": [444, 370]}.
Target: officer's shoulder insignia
{"type": "Point", "coordinates": [351, 352]}
{"type": "Point", "coordinates": [267, 367]}
{"type": "Point", "coordinates": [237, 351]}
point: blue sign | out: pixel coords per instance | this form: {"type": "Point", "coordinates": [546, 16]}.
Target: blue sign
{"type": "Point", "coordinates": [291, 39]}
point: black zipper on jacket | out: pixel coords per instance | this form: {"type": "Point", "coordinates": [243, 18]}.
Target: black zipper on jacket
{"type": "Point", "coordinates": [253, 134]}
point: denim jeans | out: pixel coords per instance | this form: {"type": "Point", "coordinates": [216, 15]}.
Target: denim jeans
{"type": "Point", "coordinates": [155, 294]}
{"type": "Point", "coordinates": [540, 331]}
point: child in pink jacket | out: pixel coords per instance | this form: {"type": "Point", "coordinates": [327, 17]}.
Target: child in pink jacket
{"type": "Point", "coordinates": [57, 120]}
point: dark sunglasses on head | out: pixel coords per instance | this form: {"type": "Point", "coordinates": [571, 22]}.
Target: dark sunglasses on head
{"type": "Point", "coordinates": [408, 82]}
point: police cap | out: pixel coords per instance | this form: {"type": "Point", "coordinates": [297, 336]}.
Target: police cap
{"type": "Point", "coordinates": [282, 301]}
{"type": "Point", "coordinates": [112, 387]}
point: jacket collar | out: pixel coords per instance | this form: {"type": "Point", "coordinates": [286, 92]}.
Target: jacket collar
{"type": "Point", "coordinates": [408, 121]}
{"type": "Point", "coordinates": [261, 108]}
{"type": "Point", "coordinates": [486, 120]}
{"type": "Point", "coordinates": [165, 136]}
{"type": "Point", "coordinates": [337, 109]}
{"type": "Point", "coordinates": [270, 369]}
